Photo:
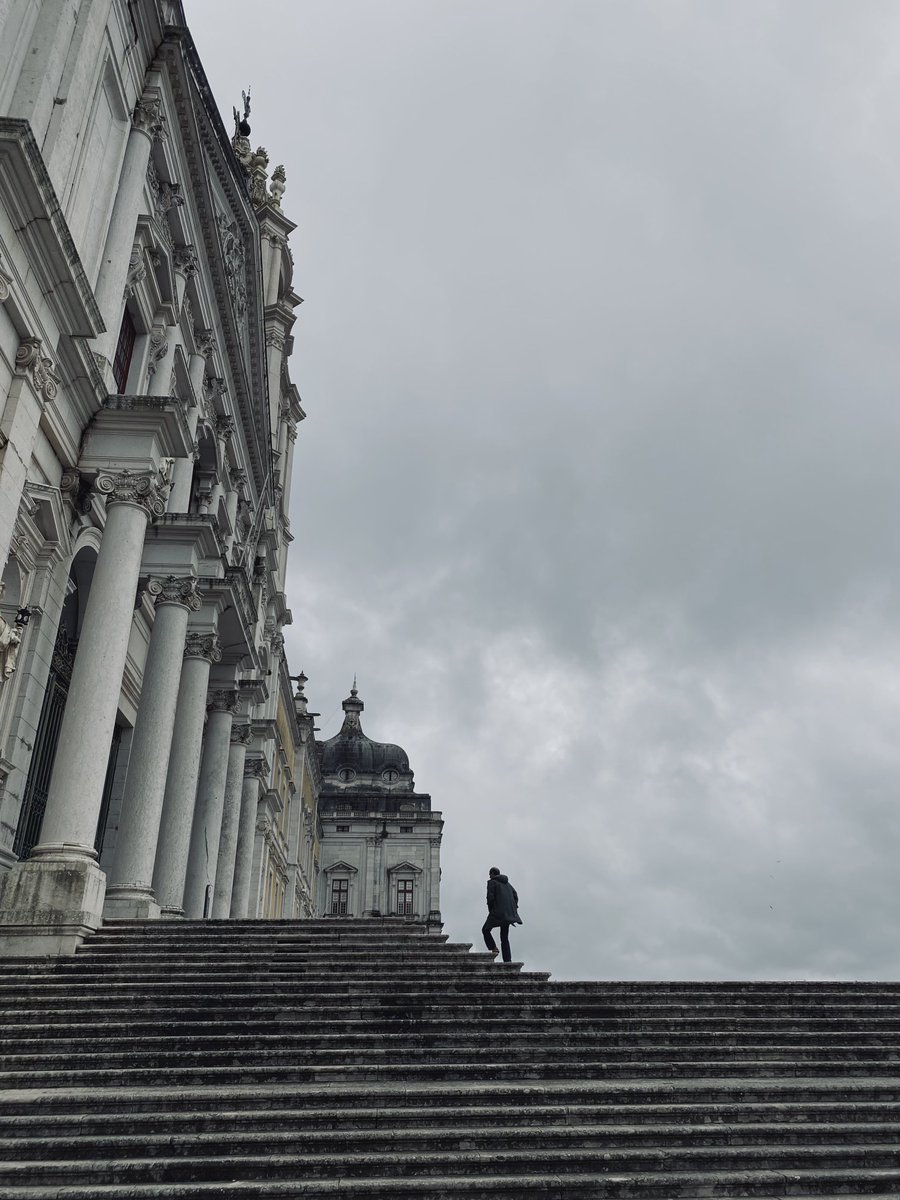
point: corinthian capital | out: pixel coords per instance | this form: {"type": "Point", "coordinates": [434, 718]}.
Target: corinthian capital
{"type": "Point", "coordinates": [147, 117]}
{"type": "Point", "coordinates": [224, 428]}
{"type": "Point", "coordinates": [146, 489]}
{"type": "Point", "coordinates": [205, 341]}
{"type": "Point", "coordinates": [175, 589]}
{"type": "Point", "coordinates": [202, 645]}
{"type": "Point", "coordinates": [223, 700]}
{"type": "Point", "coordinates": [38, 368]}
{"type": "Point", "coordinates": [241, 735]}
{"type": "Point", "coordinates": [256, 768]}
{"type": "Point", "coordinates": [186, 261]}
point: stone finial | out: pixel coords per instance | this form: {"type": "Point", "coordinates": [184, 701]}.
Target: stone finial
{"type": "Point", "coordinates": [276, 186]}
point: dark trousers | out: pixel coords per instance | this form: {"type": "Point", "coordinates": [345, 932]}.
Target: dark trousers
{"type": "Point", "coordinates": [504, 939]}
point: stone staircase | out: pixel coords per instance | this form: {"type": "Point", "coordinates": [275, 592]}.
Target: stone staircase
{"type": "Point", "coordinates": [372, 1059]}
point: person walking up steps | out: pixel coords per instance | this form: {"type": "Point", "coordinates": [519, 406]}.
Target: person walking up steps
{"type": "Point", "coordinates": [503, 911]}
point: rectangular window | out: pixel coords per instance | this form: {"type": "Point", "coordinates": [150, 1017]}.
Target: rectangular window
{"type": "Point", "coordinates": [124, 351]}
{"type": "Point", "coordinates": [342, 828]}
{"type": "Point", "coordinates": [340, 896]}
{"type": "Point", "coordinates": [405, 898]}
{"type": "Point", "coordinates": [406, 828]}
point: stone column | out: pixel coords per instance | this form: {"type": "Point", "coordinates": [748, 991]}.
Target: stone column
{"type": "Point", "coordinates": [200, 651]}
{"type": "Point", "coordinates": [146, 125]}
{"type": "Point", "coordinates": [231, 820]}
{"type": "Point", "coordinates": [129, 892]}
{"type": "Point", "coordinates": [49, 902]}
{"type": "Point", "coordinates": [256, 772]}
{"type": "Point", "coordinates": [204, 851]}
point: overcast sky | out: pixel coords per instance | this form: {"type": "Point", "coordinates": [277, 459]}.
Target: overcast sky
{"type": "Point", "coordinates": [599, 485]}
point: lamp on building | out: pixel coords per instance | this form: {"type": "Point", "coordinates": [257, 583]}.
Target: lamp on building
{"type": "Point", "coordinates": [23, 616]}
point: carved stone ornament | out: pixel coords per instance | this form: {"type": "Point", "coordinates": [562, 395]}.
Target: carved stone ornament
{"type": "Point", "coordinates": [137, 270]}
{"type": "Point", "coordinates": [256, 768]}
{"type": "Point", "coordinates": [213, 387]}
{"type": "Point", "coordinates": [175, 589]}
{"type": "Point", "coordinates": [145, 489]}
{"type": "Point", "coordinates": [202, 645]}
{"type": "Point", "coordinates": [187, 312]}
{"type": "Point", "coordinates": [233, 262]}
{"type": "Point", "coordinates": [5, 281]}
{"type": "Point", "coordinates": [223, 700]}
{"type": "Point", "coordinates": [186, 261]}
{"type": "Point", "coordinates": [205, 341]}
{"type": "Point", "coordinates": [276, 644]}
{"type": "Point", "coordinates": [30, 362]}
{"type": "Point", "coordinates": [258, 165]}
{"type": "Point", "coordinates": [241, 735]}
{"type": "Point", "coordinates": [224, 428]}
{"type": "Point", "coordinates": [276, 186]}
{"type": "Point", "coordinates": [274, 337]}
{"type": "Point", "coordinates": [169, 197]}
{"type": "Point", "coordinates": [159, 348]}
{"type": "Point", "coordinates": [238, 478]}
{"type": "Point", "coordinates": [10, 638]}
{"type": "Point", "coordinates": [147, 117]}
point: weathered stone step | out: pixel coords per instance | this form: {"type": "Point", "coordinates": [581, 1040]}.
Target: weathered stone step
{"type": "Point", "coordinates": [824, 1185]}
{"type": "Point", "coordinates": [594, 1043]}
{"type": "Point", "coordinates": [198, 1143]}
{"type": "Point", "coordinates": [445, 1072]}
{"type": "Point", "coordinates": [470, 1162]}
{"type": "Point", "coordinates": [93, 1026]}
{"type": "Point", "coordinates": [106, 1124]}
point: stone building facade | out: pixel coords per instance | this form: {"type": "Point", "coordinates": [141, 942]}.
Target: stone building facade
{"type": "Point", "coordinates": [153, 761]}
{"type": "Point", "coordinates": [380, 840]}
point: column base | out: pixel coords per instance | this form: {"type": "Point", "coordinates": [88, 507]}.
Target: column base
{"type": "Point", "coordinates": [171, 914]}
{"type": "Point", "coordinates": [125, 903]}
{"type": "Point", "coordinates": [50, 902]}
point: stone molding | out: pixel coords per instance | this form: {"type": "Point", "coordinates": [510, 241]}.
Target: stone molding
{"type": "Point", "coordinates": [223, 700]}
{"type": "Point", "coordinates": [175, 589]}
{"type": "Point", "coordinates": [144, 489]}
{"type": "Point", "coordinates": [31, 363]}
{"type": "Point", "coordinates": [203, 645]}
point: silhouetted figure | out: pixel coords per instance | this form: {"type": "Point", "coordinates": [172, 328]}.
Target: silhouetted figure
{"type": "Point", "coordinates": [503, 911]}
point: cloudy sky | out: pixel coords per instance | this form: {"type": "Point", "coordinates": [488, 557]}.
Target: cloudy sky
{"type": "Point", "coordinates": [599, 485]}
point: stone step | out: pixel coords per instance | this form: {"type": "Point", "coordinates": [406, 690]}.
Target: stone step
{"type": "Point", "coordinates": [657, 1185]}
{"type": "Point", "coordinates": [512, 1039]}
{"type": "Point", "coordinates": [100, 1026]}
{"type": "Point", "coordinates": [437, 1138]}
{"type": "Point", "coordinates": [442, 1073]}
{"type": "Point", "coordinates": [420, 1165]}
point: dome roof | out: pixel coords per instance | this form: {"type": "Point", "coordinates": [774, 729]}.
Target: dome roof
{"type": "Point", "coordinates": [352, 758]}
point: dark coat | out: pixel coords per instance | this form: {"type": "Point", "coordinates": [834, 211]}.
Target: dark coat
{"type": "Point", "coordinates": [502, 902]}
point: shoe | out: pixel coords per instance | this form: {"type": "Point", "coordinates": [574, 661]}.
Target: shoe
{"type": "Point", "coordinates": [493, 953]}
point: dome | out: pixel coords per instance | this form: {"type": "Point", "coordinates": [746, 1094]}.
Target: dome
{"type": "Point", "coordinates": [352, 758]}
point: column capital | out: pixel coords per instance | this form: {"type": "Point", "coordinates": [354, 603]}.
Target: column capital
{"type": "Point", "coordinates": [256, 768]}
{"type": "Point", "coordinates": [241, 735]}
{"type": "Point", "coordinates": [148, 118]}
{"type": "Point", "coordinates": [224, 427]}
{"type": "Point", "coordinates": [186, 261]}
{"type": "Point", "coordinates": [223, 700]}
{"type": "Point", "coordinates": [175, 589]}
{"type": "Point", "coordinates": [203, 645]}
{"type": "Point", "coordinates": [205, 341]}
{"type": "Point", "coordinates": [37, 367]}
{"type": "Point", "coordinates": [144, 489]}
